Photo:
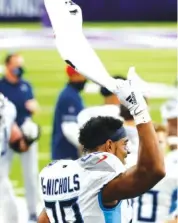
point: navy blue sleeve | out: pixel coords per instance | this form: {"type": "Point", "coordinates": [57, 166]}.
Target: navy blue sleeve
{"type": "Point", "coordinates": [29, 94]}
{"type": "Point", "coordinates": [69, 108]}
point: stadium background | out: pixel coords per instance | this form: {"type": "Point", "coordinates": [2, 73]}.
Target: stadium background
{"type": "Point", "coordinates": [45, 69]}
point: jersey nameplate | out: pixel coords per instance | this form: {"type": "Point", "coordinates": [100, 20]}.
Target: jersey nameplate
{"type": "Point", "coordinates": [60, 185]}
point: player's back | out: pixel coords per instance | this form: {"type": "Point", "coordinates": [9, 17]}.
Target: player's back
{"type": "Point", "coordinates": [72, 189]}
{"type": "Point", "coordinates": [158, 203]}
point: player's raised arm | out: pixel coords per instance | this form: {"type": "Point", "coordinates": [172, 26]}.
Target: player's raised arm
{"type": "Point", "coordinates": [150, 166]}
{"type": "Point", "coordinates": [66, 19]}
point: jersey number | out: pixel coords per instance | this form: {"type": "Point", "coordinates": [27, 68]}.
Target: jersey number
{"type": "Point", "coordinates": [152, 218]}
{"type": "Point", "coordinates": [72, 203]}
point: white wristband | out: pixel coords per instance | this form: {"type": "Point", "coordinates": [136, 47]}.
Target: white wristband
{"type": "Point", "coordinates": [142, 117]}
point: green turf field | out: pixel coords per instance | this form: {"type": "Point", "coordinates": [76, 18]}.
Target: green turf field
{"type": "Point", "coordinates": [45, 70]}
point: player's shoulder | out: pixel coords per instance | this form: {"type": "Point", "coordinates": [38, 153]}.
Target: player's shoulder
{"type": "Point", "coordinates": [101, 161]}
{"type": "Point", "coordinates": [59, 167]}
{"type": "Point", "coordinates": [46, 169]}
{"type": "Point", "coordinates": [24, 82]}
{"type": "Point", "coordinates": [67, 95]}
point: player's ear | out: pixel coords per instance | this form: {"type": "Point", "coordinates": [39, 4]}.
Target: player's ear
{"type": "Point", "coordinates": [109, 146]}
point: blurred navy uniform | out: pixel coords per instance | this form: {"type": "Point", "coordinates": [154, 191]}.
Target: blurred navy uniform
{"type": "Point", "coordinates": [69, 104]}
{"type": "Point", "coordinates": [20, 93]}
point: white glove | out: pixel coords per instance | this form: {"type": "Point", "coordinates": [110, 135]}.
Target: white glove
{"type": "Point", "coordinates": [138, 82]}
{"type": "Point", "coordinates": [133, 100]}
{"type": "Point", "coordinates": [30, 130]}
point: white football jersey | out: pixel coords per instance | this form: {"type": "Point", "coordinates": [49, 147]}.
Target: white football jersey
{"type": "Point", "coordinates": [71, 190]}
{"type": "Point", "coordinates": [8, 116]}
{"type": "Point", "coordinates": [158, 204]}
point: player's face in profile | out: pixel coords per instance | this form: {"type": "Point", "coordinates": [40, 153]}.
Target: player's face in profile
{"type": "Point", "coordinates": [121, 149]}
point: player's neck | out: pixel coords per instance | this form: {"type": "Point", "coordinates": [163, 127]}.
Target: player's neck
{"type": "Point", "coordinates": [11, 78]}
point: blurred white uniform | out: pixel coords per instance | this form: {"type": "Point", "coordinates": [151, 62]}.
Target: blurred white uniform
{"type": "Point", "coordinates": [172, 157]}
{"type": "Point", "coordinates": [95, 111]}
{"type": "Point", "coordinates": [169, 110]}
{"type": "Point", "coordinates": [133, 137]}
{"type": "Point", "coordinates": [72, 190]}
{"type": "Point", "coordinates": [71, 129]}
{"type": "Point", "coordinates": [8, 207]}
{"type": "Point", "coordinates": [158, 204]}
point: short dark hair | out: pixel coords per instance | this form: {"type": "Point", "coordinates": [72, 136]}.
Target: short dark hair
{"type": "Point", "coordinates": [105, 92]}
{"type": "Point", "coordinates": [96, 129]}
{"type": "Point", "coordinates": [125, 113]}
{"type": "Point", "coordinates": [9, 57]}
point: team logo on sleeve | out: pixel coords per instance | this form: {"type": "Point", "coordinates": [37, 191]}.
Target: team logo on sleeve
{"type": "Point", "coordinates": [24, 87]}
{"type": "Point", "coordinates": [71, 109]}
{"type": "Point", "coordinates": [102, 159]}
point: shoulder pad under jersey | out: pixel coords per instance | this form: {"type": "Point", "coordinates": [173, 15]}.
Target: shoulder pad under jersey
{"type": "Point", "coordinates": [101, 161]}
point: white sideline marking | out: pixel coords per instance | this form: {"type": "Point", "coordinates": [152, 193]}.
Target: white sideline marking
{"type": "Point", "coordinates": [99, 38]}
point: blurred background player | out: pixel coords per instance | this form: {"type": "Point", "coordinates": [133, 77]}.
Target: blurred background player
{"type": "Point", "coordinates": [159, 204]}
{"type": "Point", "coordinates": [7, 201]}
{"type": "Point", "coordinates": [131, 130]}
{"type": "Point", "coordinates": [69, 104]}
{"type": "Point", "coordinates": [20, 93]}
{"type": "Point", "coordinates": [20, 140]}
{"type": "Point", "coordinates": [169, 112]}
{"type": "Point", "coordinates": [110, 107]}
